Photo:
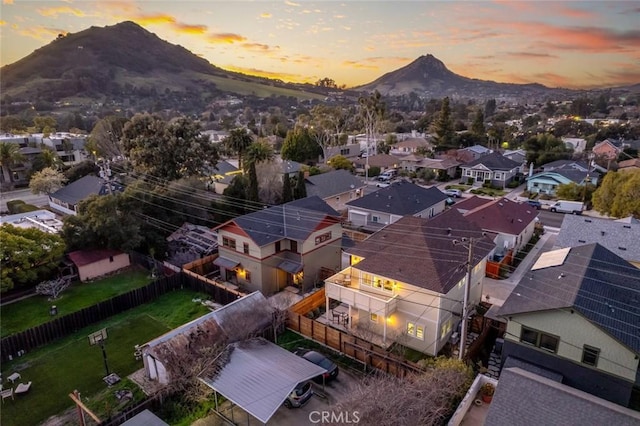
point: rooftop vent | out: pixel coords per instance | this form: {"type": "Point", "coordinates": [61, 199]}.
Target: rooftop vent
{"type": "Point", "coordinates": [602, 233]}
{"type": "Point", "coordinates": [626, 226]}
{"type": "Point", "coordinates": [622, 248]}
{"type": "Point", "coordinates": [588, 220]}
{"type": "Point", "coordinates": [582, 241]}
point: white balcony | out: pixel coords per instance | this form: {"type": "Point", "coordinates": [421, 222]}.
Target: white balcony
{"type": "Point", "coordinates": [339, 287]}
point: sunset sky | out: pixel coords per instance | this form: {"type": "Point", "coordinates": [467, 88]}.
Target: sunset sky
{"type": "Point", "coordinates": [560, 44]}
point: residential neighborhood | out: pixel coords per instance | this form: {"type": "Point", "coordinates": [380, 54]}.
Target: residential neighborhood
{"type": "Point", "coordinates": [335, 255]}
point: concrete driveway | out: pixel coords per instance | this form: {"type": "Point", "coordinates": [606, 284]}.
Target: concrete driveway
{"type": "Point", "coordinates": [311, 414]}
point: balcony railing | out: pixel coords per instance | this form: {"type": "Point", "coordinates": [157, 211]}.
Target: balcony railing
{"type": "Point", "coordinates": [342, 290]}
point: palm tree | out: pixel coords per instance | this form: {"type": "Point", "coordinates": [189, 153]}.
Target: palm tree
{"type": "Point", "coordinates": [47, 158]}
{"type": "Point", "coordinates": [258, 152]}
{"type": "Point", "coordinates": [238, 141]}
{"type": "Point", "coordinates": [9, 155]}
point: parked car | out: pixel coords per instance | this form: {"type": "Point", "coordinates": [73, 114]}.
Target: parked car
{"type": "Point", "coordinates": [535, 203]}
{"type": "Point", "coordinates": [453, 193]}
{"type": "Point", "coordinates": [300, 395]}
{"type": "Point", "coordinates": [382, 184]}
{"type": "Point", "coordinates": [384, 178]}
{"type": "Point", "coordinates": [321, 360]}
{"type": "Point", "coordinates": [449, 201]}
{"type": "Point", "coordinates": [564, 206]}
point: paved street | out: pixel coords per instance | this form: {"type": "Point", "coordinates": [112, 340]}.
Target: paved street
{"type": "Point", "coordinates": [25, 195]}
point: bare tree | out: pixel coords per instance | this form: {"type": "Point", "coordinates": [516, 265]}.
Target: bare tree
{"type": "Point", "coordinates": [425, 399]}
{"type": "Point", "coordinates": [53, 288]}
{"type": "Point", "coordinates": [280, 302]}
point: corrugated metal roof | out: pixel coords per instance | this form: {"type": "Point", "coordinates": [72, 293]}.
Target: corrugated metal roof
{"type": "Point", "coordinates": [259, 375]}
{"type": "Point", "coordinates": [145, 418]}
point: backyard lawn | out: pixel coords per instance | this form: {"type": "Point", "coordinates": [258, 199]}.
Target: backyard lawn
{"type": "Point", "coordinates": [33, 311]}
{"type": "Point", "coordinates": [72, 364]}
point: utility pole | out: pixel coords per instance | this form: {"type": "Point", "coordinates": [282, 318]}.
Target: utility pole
{"type": "Point", "coordinates": [105, 174]}
{"type": "Point", "coordinates": [467, 290]}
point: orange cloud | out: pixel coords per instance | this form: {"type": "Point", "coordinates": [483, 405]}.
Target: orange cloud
{"type": "Point", "coordinates": [60, 10]}
{"type": "Point", "coordinates": [268, 74]}
{"type": "Point", "coordinates": [529, 55]}
{"type": "Point", "coordinates": [7, 1]}
{"type": "Point", "coordinates": [578, 38]}
{"type": "Point", "coordinates": [259, 47]}
{"type": "Point", "coordinates": [41, 33]}
{"type": "Point", "coordinates": [360, 65]}
{"type": "Point", "coordinates": [265, 15]}
{"type": "Point", "coordinates": [190, 29]}
{"type": "Point", "coordinates": [155, 19]}
{"type": "Point", "coordinates": [290, 3]}
{"type": "Point", "coordinates": [570, 12]}
{"type": "Point", "coordinates": [3, 22]}
{"type": "Point", "coordinates": [225, 38]}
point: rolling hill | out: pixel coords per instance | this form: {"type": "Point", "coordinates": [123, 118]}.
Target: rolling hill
{"type": "Point", "coordinates": [118, 60]}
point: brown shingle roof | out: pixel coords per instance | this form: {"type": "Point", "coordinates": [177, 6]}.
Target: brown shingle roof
{"type": "Point", "coordinates": [503, 216]}
{"type": "Point", "coordinates": [85, 257]}
{"type": "Point", "coordinates": [471, 203]}
{"type": "Point", "coordinates": [421, 252]}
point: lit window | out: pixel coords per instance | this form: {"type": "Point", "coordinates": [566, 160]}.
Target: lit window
{"type": "Point", "coordinates": [245, 248]}
{"type": "Point", "coordinates": [229, 242]}
{"type": "Point", "coordinates": [374, 317]}
{"type": "Point", "coordinates": [420, 332]}
{"type": "Point", "coordinates": [590, 355]}
{"type": "Point", "coordinates": [411, 329]}
{"type": "Point", "coordinates": [445, 328]}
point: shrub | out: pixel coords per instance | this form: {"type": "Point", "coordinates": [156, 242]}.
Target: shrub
{"type": "Point", "coordinates": [374, 171]}
{"type": "Point", "coordinates": [470, 181]}
{"type": "Point", "coordinates": [488, 389]}
{"type": "Point", "coordinates": [19, 206]}
{"type": "Point", "coordinates": [545, 197]}
{"type": "Point", "coordinates": [513, 184]}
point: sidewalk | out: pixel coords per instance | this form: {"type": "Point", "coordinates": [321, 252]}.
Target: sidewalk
{"type": "Point", "coordinates": [498, 290]}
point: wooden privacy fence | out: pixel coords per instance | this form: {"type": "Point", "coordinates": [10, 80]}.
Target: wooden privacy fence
{"type": "Point", "coordinates": [310, 303]}
{"type": "Point", "coordinates": [63, 326]}
{"type": "Point", "coordinates": [352, 346]}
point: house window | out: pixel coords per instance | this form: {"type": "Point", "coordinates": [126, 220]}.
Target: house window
{"type": "Point", "coordinates": [590, 355]}
{"type": "Point", "coordinates": [323, 237]}
{"type": "Point", "coordinates": [373, 317]}
{"type": "Point", "coordinates": [247, 276]}
{"type": "Point", "coordinates": [278, 247]}
{"type": "Point", "coordinates": [411, 329]}
{"type": "Point", "coordinates": [229, 242]}
{"type": "Point", "coordinates": [245, 248]}
{"type": "Point", "coordinates": [374, 219]}
{"type": "Point", "coordinates": [294, 246]}
{"type": "Point", "coordinates": [535, 184]}
{"type": "Point", "coordinates": [110, 258]}
{"type": "Point", "coordinates": [499, 175]}
{"type": "Point", "coordinates": [468, 172]}
{"type": "Point", "coordinates": [539, 339]}
{"type": "Point", "coordinates": [415, 330]}
{"type": "Point", "coordinates": [445, 328]}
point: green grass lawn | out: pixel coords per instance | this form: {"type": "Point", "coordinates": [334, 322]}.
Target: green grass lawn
{"type": "Point", "coordinates": [33, 311]}
{"type": "Point", "coordinates": [71, 363]}
{"type": "Point", "coordinates": [492, 192]}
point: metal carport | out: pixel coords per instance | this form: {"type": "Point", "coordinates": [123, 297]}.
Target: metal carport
{"type": "Point", "coordinates": [257, 376]}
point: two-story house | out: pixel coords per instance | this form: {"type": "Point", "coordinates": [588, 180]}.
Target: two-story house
{"type": "Point", "coordinates": [607, 149]}
{"type": "Point", "coordinates": [577, 313]}
{"type": "Point", "coordinates": [512, 223]}
{"type": "Point", "coordinates": [413, 145]}
{"type": "Point", "coordinates": [406, 282]}
{"type": "Point", "coordinates": [388, 205]}
{"type": "Point", "coordinates": [494, 168]}
{"type": "Point", "coordinates": [289, 245]}
{"type": "Point", "coordinates": [336, 188]}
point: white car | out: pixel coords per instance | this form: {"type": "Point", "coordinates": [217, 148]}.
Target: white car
{"type": "Point", "coordinates": [382, 184]}
{"type": "Point", "coordinates": [453, 193]}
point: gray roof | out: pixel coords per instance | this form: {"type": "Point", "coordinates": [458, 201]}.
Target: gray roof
{"type": "Point", "coordinates": [597, 283]}
{"type": "Point", "coordinates": [145, 418]}
{"type": "Point", "coordinates": [532, 368]}
{"type": "Point", "coordinates": [477, 149]}
{"type": "Point", "coordinates": [290, 167]}
{"type": "Point", "coordinates": [523, 398]}
{"type": "Point", "coordinates": [573, 175]}
{"type": "Point", "coordinates": [400, 198]}
{"type": "Point", "coordinates": [258, 375]}
{"type": "Point", "coordinates": [83, 188]}
{"type": "Point", "coordinates": [565, 164]}
{"type": "Point", "coordinates": [253, 306]}
{"type": "Point", "coordinates": [222, 168]}
{"type": "Point", "coordinates": [332, 183]}
{"type": "Point", "coordinates": [493, 161]}
{"type": "Point", "coordinates": [295, 220]}
{"type": "Point", "coordinates": [622, 238]}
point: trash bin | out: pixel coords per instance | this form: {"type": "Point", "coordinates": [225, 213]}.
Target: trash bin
{"type": "Point", "coordinates": [53, 310]}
